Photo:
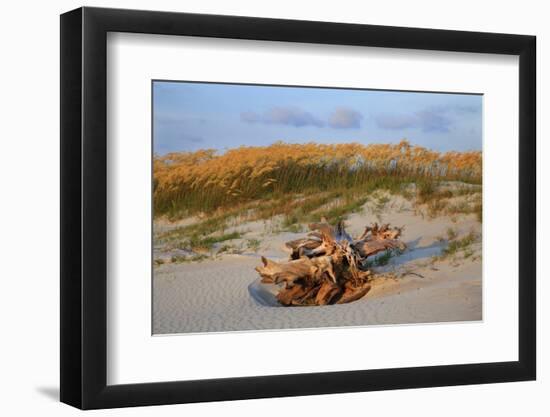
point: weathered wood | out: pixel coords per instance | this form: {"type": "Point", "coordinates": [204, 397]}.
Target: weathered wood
{"type": "Point", "coordinates": [274, 272]}
{"type": "Point", "coordinates": [286, 295]}
{"type": "Point", "coordinates": [366, 248]}
{"type": "Point", "coordinates": [327, 266]}
{"type": "Point", "coordinates": [327, 292]}
{"type": "Point", "coordinates": [352, 293]}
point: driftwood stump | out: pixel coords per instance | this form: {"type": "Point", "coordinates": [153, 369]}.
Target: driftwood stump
{"type": "Point", "coordinates": [328, 266]}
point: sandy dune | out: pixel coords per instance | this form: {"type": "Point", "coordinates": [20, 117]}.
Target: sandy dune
{"type": "Point", "coordinates": [213, 295]}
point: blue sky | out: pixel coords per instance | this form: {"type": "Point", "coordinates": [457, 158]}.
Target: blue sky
{"type": "Point", "coordinates": [190, 116]}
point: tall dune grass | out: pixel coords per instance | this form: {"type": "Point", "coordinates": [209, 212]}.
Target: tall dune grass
{"type": "Point", "coordinates": [187, 183]}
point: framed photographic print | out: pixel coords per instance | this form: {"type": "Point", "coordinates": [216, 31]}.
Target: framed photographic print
{"type": "Point", "coordinates": [256, 207]}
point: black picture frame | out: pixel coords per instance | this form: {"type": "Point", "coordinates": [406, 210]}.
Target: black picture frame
{"type": "Point", "coordinates": [84, 207]}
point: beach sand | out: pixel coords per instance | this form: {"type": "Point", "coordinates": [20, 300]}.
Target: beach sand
{"type": "Point", "coordinates": [213, 295]}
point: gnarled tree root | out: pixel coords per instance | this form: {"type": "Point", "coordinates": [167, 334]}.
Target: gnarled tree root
{"type": "Point", "coordinates": [328, 266]}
